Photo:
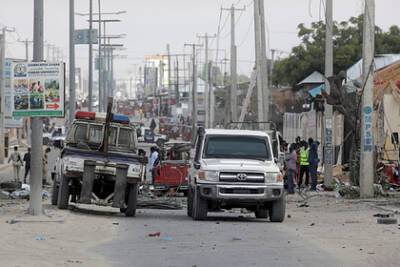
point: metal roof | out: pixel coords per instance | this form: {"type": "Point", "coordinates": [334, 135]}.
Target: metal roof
{"type": "Point", "coordinates": [315, 77]}
{"type": "Point", "coordinates": [380, 61]}
{"type": "Point", "coordinates": [235, 132]}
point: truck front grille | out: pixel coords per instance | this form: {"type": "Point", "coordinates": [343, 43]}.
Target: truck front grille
{"type": "Point", "coordinates": [241, 177]}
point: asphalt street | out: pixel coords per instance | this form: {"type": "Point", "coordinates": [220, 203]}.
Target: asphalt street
{"type": "Point", "coordinates": [225, 239]}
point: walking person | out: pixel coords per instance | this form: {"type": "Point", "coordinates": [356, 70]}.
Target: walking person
{"type": "Point", "coordinates": [16, 160]}
{"type": "Point", "coordinates": [154, 160]}
{"type": "Point", "coordinates": [304, 165]}
{"type": "Point", "coordinates": [291, 168]}
{"type": "Point", "coordinates": [314, 160]}
{"type": "Point", "coordinates": [27, 160]}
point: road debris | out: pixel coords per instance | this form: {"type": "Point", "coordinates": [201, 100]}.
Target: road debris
{"type": "Point", "coordinates": [40, 237]}
{"type": "Point", "coordinates": [155, 234]}
{"type": "Point", "coordinates": [236, 239]}
{"type": "Point", "coordinates": [386, 220]}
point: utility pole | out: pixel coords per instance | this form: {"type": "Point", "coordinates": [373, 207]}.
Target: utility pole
{"type": "Point", "coordinates": [208, 87]}
{"type": "Point", "coordinates": [367, 167]}
{"type": "Point", "coordinates": [194, 89]}
{"type": "Point", "coordinates": [2, 85]}
{"type": "Point", "coordinates": [328, 144]}
{"type": "Point", "coordinates": [35, 202]}
{"type": "Point", "coordinates": [257, 35]}
{"type": "Point", "coordinates": [264, 63]}
{"type": "Point", "coordinates": [271, 68]}
{"type": "Point", "coordinates": [169, 68]}
{"type": "Point", "coordinates": [71, 61]}
{"type": "Point", "coordinates": [90, 80]}
{"type": "Point", "coordinates": [233, 91]}
{"type": "Point", "coordinates": [100, 61]}
{"type": "Point", "coordinates": [177, 81]}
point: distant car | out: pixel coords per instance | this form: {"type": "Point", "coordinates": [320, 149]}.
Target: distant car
{"type": "Point", "coordinates": [58, 137]}
{"type": "Point", "coordinates": [148, 136]}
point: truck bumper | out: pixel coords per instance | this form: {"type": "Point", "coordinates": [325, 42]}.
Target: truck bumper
{"type": "Point", "coordinates": [245, 193]}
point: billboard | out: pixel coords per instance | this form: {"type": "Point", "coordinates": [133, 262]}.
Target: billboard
{"type": "Point", "coordinates": [9, 120]}
{"type": "Point", "coordinates": [38, 89]}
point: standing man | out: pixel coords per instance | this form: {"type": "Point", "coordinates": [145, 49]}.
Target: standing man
{"type": "Point", "coordinates": [154, 159]}
{"type": "Point", "coordinates": [304, 164]}
{"type": "Point", "coordinates": [291, 168]}
{"type": "Point", "coordinates": [314, 160]}
{"type": "Point", "coordinates": [16, 160]}
{"type": "Point", "coordinates": [27, 160]}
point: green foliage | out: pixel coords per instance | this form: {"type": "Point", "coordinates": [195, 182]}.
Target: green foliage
{"type": "Point", "coordinates": [308, 56]}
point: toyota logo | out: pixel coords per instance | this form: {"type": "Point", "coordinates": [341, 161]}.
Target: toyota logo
{"type": "Point", "coordinates": [241, 176]}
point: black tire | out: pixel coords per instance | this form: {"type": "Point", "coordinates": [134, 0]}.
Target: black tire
{"type": "Point", "coordinates": [277, 210]}
{"type": "Point", "coordinates": [261, 213]}
{"type": "Point", "coordinates": [189, 202]}
{"type": "Point", "coordinates": [63, 193]}
{"type": "Point", "coordinates": [132, 200]}
{"type": "Point", "coordinates": [54, 193]}
{"type": "Point", "coordinates": [200, 206]}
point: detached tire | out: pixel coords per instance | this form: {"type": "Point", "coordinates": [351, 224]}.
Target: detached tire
{"type": "Point", "coordinates": [261, 213]}
{"type": "Point", "coordinates": [54, 193]}
{"type": "Point", "coordinates": [200, 206]}
{"type": "Point", "coordinates": [190, 202]}
{"type": "Point", "coordinates": [63, 193]}
{"type": "Point", "coordinates": [130, 210]}
{"type": "Point", "coordinates": [277, 210]}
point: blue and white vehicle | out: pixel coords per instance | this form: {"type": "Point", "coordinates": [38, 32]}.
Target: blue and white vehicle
{"type": "Point", "coordinates": [83, 143]}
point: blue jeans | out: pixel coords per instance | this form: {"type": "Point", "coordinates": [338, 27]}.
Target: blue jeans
{"type": "Point", "coordinates": [313, 174]}
{"type": "Point", "coordinates": [290, 181]}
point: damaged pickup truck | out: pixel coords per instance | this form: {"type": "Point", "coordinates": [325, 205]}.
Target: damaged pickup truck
{"type": "Point", "coordinates": [100, 163]}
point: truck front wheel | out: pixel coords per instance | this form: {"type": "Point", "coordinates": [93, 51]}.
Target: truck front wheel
{"type": "Point", "coordinates": [200, 206]}
{"type": "Point", "coordinates": [277, 210]}
{"type": "Point", "coordinates": [54, 194]}
{"type": "Point", "coordinates": [63, 193]}
{"type": "Point", "coordinates": [132, 200]}
{"type": "Point", "coordinates": [261, 213]}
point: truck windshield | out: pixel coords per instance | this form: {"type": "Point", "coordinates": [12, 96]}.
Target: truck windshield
{"type": "Point", "coordinates": [247, 147]}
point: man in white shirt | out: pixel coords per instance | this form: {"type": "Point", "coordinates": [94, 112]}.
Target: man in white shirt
{"type": "Point", "coordinates": [154, 158]}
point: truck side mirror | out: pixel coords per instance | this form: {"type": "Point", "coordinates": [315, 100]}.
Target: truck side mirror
{"type": "Point", "coordinates": [196, 165]}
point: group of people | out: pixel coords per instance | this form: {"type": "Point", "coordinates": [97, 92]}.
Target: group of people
{"type": "Point", "coordinates": [302, 160]}
{"type": "Point", "coordinates": [17, 162]}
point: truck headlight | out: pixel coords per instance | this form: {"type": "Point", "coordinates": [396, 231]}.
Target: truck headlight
{"type": "Point", "coordinates": [208, 175]}
{"type": "Point", "coordinates": [273, 177]}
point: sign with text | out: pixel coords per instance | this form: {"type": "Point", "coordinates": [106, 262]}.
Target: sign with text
{"type": "Point", "coordinates": [85, 36]}
{"type": "Point", "coordinates": [38, 89]}
{"type": "Point", "coordinates": [9, 120]}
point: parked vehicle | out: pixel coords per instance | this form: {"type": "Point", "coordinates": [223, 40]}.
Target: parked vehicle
{"type": "Point", "coordinates": [149, 136]}
{"type": "Point", "coordinates": [235, 169]}
{"type": "Point", "coordinates": [172, 170]}
{"type": "Point", "coordinates": [86, 142]}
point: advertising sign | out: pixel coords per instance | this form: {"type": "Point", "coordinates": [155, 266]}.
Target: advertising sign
{"type": "Point", "coordinates": [9, 120]}
{"type": "Point", "coordinates": [85, 36]}
{"type": "Point", "coordinates": [38, 89]}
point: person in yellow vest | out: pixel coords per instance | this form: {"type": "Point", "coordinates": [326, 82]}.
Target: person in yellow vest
{"type": "Point", "coordinates": [304, 165]}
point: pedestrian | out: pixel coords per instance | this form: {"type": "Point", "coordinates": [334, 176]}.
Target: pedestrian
{"type": "Point", "coordinates": [45, 165]}
{"type": "Point", "coordinates": [314, 161]}
{"type": "Point", "coordinates": [16, 160]}
{"type": "Point", "coordinates": [27, 160]}
{"type": "Point", "coordinates": [154, 160]}
{"type": "Point", "coordinates": [304, 164]}
{"type": "Point", "coordinates": [291, 168]}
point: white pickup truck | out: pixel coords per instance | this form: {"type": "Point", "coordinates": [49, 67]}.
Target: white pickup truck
{"type": "Point", "coordinates": [235, 169]}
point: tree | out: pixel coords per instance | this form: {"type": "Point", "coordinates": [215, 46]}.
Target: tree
{"type": "Point", "coordinates": [308, 56]}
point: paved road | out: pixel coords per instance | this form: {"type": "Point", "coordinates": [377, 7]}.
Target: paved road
{"type": "Point", "coordinates": [224, 240]}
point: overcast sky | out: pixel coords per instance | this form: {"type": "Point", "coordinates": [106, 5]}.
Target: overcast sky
{"type": "Point", "coordinates": [151, 24]}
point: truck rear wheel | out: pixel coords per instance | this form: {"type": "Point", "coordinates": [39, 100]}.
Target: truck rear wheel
{"type": "Point", "coordinates": [63, 193]}
{"type": "Point", "coordinates": [200, 206]}
{"type": "Point", "coordinates": [190, 202]}
{"type": "Point", "coordinates": [277, 210]}
{"type": "Point", "coordinates": [132, 200]}
{"type": "Point", "coordinates": [54, 193]}
{"type": "Point", "coordinates": [261, 213]}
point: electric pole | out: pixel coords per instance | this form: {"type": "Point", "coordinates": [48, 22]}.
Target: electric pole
{"type": "Point", "coordinates": [71, 61]}
{"type": "Point", "coordinates": [169, 69]}
{"type": "Point", "coordinates": [194, 89]}
{"type": "Point", "coordinates": [260, 87]}
{"type": "Point", "coordinates": [367, 167]}
{"type": "Point", "coordinates": [233, 91]}
{"type": "Point", "coordinates": [35, 202]}
{"type": "Point", "coordinates": [90, 80]}
{"type": "Point", "coordinates": [100, 63]}
{"type": "Point", "coordinates": [2, 95]}
{"type": "Point", "coordinates": [328, 144]}
{"type": "Point", "coordinates": [208, 86]}
{"type": "Point", "coordinates": [264, 62]}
